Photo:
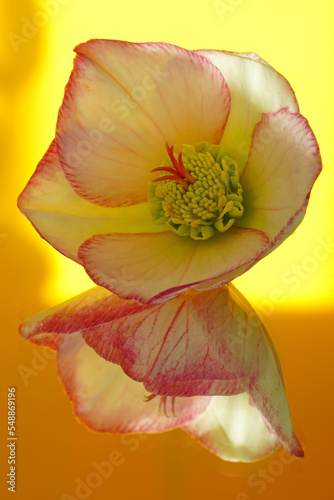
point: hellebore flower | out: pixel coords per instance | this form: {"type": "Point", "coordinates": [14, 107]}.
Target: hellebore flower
{"type": "Point", "coordinates": [171, 169]}
{"type": "Point", "coordinates": [205, 357]}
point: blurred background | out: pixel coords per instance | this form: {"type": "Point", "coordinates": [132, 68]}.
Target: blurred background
{"type": "Point", "coordinates": [292, 288]}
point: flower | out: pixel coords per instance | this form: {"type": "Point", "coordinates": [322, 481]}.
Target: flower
{"type": "Point", "coordinates": [205, 357]}
{"type": "Point", "coordinates": [171, 168]}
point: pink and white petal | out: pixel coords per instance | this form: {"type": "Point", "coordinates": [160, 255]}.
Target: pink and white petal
{"type": "Point", "coordinates": [122, 102]}
{"type": "Point", "coordinates": [178, 348]}
{"type": "Point", "coordinates": [167, 346]}
{"type": "Point", "coordinates": [186, 346]}
{"type": "Point", "coordinates": [65, 219]}
{"type": "Point", "coordinates": [199, 343]}
{"type": "Point", "coordinates": [283, 164]}
{"type": "Point", "coordinates": [255, 88]}
{"type": "Point", "coordinates": [234, 429]}
{"type": "Point", "coordinates": [47, 340]}
{"type": "Point", "coordinates": [197, 337]}
{"type": "Point", "coordinates": [85, 310]}
{"type": "Point", "coordinates": [106, 400]}
{"type": "Point", "coordinates": [291, 226]}
{"type": "Point", "coordinates": [159, 266]}
{"type": "Point", "coordinates": [263, 379]}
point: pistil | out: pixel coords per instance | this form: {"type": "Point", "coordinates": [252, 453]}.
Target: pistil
{"type": "Point", "coordinates": [179, 173]}
{"type": "Point", "coordinates": [201, 195]}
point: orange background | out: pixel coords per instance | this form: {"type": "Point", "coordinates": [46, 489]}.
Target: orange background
{"type": "Point", "coordinates": [55, 451]}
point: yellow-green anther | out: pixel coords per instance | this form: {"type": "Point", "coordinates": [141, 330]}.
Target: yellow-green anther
{"type": "Point", "coordinates": [212, 202]}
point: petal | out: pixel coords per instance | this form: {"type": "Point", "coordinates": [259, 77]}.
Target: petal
{"type": "Point", "coordinates": [141, 338]}
{"type": "Point", "coordinates": [106, 400]}
{"type": "Point", "coordinates": [255, 88]}
{"type": "Point", "coordinates": [264, 381]}
{"type": "Point", "coordinates": [233, 428]}
{"type": "Point", "coordinates": [66, 220]}
{"type": "Point", "coordinates": [209, 343]}
{"type": "Point", "coordinates": [199, 343]}
{"type": "Point", "coordinates": [283, 164]}
{"type": "Point", "coordinates": [72, 316]}
{"type": "Point", "coordinates": [122, 102]}
{"type": "Point", "coordinates": [51, 341]}
{"type": "Point", "coordinates": [161, 265]}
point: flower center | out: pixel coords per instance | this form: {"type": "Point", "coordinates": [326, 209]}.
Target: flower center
{"type": "Point", "coordinates": [201, 193]}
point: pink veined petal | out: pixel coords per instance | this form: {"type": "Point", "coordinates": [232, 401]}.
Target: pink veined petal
{"type": "Point", "coordinates": [66, 220]}
{"type": "Point", "coordinates": [74, 315]}
{"type": "Point", "coordinates": [255, 88]}
{"type": "Point", "coordinates": [283, 164]}
{"type": "Point", "coordinates": [200, 343]}
{"type": "Point", "coordinates": [290, 227]}
{"type": "Point", "coordinates": [122, 102]}
{"type": "Point", "coordinates": [106, 400]}
{"type": "Point", "coordinates": [210, 333]}
{"type": "Point", "coordinates": [159, 266]}
{"type": "Point", "coordinates": [141, 338]}
{"type": "Point", "coordinates": [175, 348]}
{"type": "Point", "coordinates": [234, 429]}
{"type": "Point", "coordinates": [264, 381]}
{"type": "Point", "coordinates": [47, 340]}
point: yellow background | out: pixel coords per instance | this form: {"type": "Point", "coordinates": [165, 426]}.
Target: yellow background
{"type": "Point", "coordinates": [54, 450]}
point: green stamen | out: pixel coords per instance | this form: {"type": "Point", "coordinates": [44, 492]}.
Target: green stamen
{"type": "Point", "coordinates": [201, 195]}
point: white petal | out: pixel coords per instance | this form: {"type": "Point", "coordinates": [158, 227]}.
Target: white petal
{"type": "Point", "coordinates": [255, 88]}
{"type": "Point", "coordinates": [233, 428]}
